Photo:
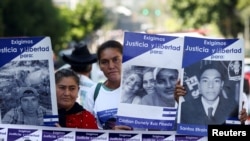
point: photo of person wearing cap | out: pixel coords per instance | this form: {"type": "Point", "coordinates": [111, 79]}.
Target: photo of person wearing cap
{"type": "Point", "coordinates": [165, 81]}
{"type": "Point", "coordinates": [29, 112]}
{"type": "Point", "coordinates": [80, 61]}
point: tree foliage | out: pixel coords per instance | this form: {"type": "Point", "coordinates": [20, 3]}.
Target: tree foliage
{"type": "Point", "coordinates": [225, 14]}
{"type": "Point", "coordinates": [244, 8]}
{"type": "Point", "coordinates": [32, 18]}
{"type": "Point", "coordinates": [42, 18]}
{"type": "Point", "coordinates": [87, 17]}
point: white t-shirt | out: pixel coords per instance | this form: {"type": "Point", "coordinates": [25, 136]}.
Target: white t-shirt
{"type": "Point", "coordinates": [105, 106]}
{"type": "Point", "coordinates": [85, 85]}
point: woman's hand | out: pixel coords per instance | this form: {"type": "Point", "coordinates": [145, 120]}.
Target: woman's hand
{"type": "Point", "coordinates": [57, 125]}
{"type": "Point", "coordinates": [122, 127]}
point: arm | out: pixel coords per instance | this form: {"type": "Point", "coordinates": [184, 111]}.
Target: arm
{"type": "Point", "coordinates": [244, 108]}
{"type": "Point", "coordinates": [122, 127]}
{"type": "Point", "coordinates": [243, 116]}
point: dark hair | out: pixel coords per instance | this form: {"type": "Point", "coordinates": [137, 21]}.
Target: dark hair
{"type": "Point", "coordinates": [109, 44]}
{"type": "Point", "coordinates": [66, 73]}
{"type": "Point", "coordinates": [212, 66]}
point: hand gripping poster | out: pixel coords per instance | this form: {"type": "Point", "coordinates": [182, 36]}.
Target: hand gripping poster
{"type": "Point", "coordinates": [150, 70]}
{"type": "Point", "coordinates": [27, 85]}
{"type": "Point", "coordinates": [213, 79]}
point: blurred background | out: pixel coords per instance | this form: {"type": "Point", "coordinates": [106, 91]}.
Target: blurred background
{"type": "Point", "coordinates": [69, 22]}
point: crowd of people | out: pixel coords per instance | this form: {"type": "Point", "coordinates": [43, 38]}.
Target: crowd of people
{"type": "Point", "coordinates": [152, 81]}
{"type": "Point", "coordinates": [78, 107]}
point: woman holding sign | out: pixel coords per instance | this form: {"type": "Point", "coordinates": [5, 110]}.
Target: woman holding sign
{"type": "Point", "coordinates": [71, 114]}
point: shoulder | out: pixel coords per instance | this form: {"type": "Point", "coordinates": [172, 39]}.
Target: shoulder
{"type": "Point", "coordinates": [44, 110]}
{"type": "Point", "coordinates": [84, 114]}
{"type": "Point", "coordinates": [105, 90]}
{"type": "Point", "coordinates": [148, 96]}
{"type": "Point", "coordinates": [191, 102]}
{"type": "Point", "coordinates": [87, 113]}
{"type": "Point", "coordinates": [136, 100]}
{"type": "Point", "coordinates": [86, 81]}
{"type": "Point", "coordinates": [92, 89]}
{"type": "Point", "coordinates": [147, 99]}
{"type": "Point", "coordinates": [14, 112]}
{"type": "Point", "coordinates": [227, 101]}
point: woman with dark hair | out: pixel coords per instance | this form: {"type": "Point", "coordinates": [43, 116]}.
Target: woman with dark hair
{"type": "Point", "coordinates": [105, 105]}
{"type": "Point", "coordinates": [80, 61]}
{"type": "Point", "coordinates": [71, 114]}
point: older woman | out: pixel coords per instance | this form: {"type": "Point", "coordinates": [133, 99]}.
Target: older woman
{"type": "Point", "coordinates": [71, 114]}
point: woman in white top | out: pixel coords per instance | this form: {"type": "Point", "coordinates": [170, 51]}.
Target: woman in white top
{"type": "Point", "coordinates": [105, 106]}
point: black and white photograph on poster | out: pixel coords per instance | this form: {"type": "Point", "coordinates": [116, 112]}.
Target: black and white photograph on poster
{"type": "Point", "coordinates": [157, 78]}
{"type": "Point", "coordinates": [212, 97]}
{"type": "Point", "coordinates": [25, 92]}
{"type": "Point", "coordinates": [132, 85]}
{"type": "Point", "coordinates": [235, 70]}
{"type": "Point", "coordinates": [150, 86]}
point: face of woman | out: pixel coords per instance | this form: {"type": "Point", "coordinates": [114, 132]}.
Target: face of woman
{"type": "Point", "coordinates": [149, 82]}
{"type": "Point", "coordinates": [66, 92]}
{"type": "Point", "coordinates": [132, 83]}
{"type": "Point", "coordinates": [110, 64]}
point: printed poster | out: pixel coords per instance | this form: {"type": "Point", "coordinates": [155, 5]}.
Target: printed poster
{"type": "Point", "coordinates": [213, 78]}
{"type": "Point", "coordinates": [190, 138]}
{"type": "Point", "coordinates": [150, 70]}
{"type": "Point", "coordinates": [157, 137]}
{"type": "Point", "coordinates": [124, 137]}
{"type": "Point", "coordinates": [27, 83]}
{"type": "Point", "coordinates": [15, 134]}
{"type": "Point", "coordinates": [3, 133]}
{"type": "Point", "coordinates": [93, 136]}
{"type": "Point", "coordinates": [50, 135]}
{"type": "Point", "coordinates": [43, 133]}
